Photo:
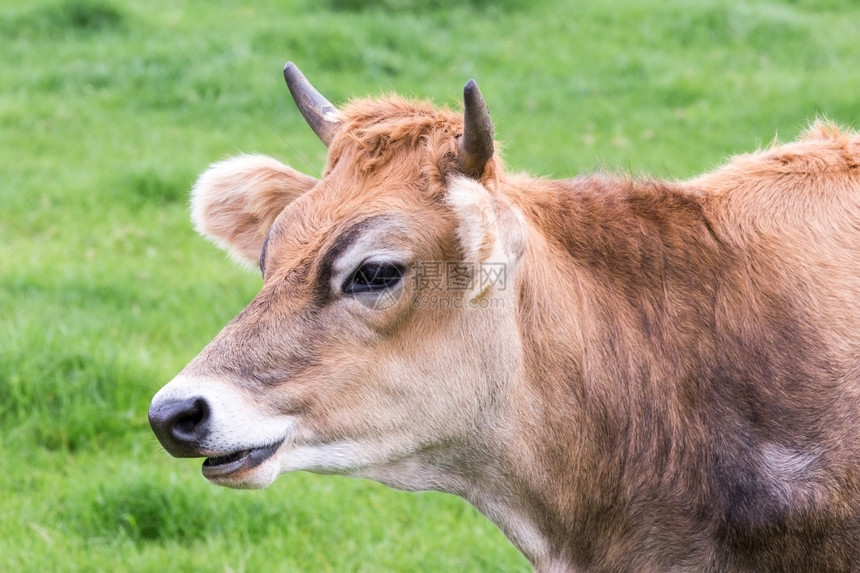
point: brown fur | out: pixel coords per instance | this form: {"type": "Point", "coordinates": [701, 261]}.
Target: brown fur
{"type": "Point", "coordinates": [673, 384]}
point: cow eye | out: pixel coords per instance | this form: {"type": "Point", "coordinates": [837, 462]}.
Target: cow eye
{"type": "Point", "coordinates": [373, 277]}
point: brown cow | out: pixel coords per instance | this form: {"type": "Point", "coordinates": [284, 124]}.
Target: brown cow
{"type": "Point", "coordinates": [624, 375]}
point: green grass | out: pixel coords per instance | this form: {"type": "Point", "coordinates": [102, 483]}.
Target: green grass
{"type": "Point", "coordinates": [109, 109]}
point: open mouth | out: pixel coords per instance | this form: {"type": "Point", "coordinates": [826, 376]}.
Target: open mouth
{"type": "Point", "coordinates": [219, 466]}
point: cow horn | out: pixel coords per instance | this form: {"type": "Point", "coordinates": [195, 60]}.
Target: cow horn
{"type": "Point", "coordinates": [320, 114]}
{"type": "Point", "coordinates": [476, 144]}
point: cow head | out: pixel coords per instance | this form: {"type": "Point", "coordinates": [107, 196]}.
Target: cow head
{"type": "Point", "coordinates": [384, 334]}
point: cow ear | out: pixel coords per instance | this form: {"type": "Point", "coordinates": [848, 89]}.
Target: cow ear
{"type": "Point", "coordinates": [491, 232]}
{"type": "Point", "coordinates": [234, 202]}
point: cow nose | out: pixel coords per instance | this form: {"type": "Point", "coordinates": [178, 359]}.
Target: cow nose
{"type": "Point", "coordinates": [181, 425]}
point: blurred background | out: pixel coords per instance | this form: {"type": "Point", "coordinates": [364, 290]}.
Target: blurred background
{"type": "Point", "coordinates": [109, 110]}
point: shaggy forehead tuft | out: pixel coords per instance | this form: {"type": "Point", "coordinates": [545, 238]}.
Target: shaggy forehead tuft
{"type": "Point", "coordinates": [383, 130]}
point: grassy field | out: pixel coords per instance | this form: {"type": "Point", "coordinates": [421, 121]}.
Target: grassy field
{"type": "Point", "coordinates": [108, 111]}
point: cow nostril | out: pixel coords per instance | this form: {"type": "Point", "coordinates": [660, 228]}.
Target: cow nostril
{"type": "Point", "coordinates": [190, 420]}
{"type": "Point", "coordinates": [181, 425]}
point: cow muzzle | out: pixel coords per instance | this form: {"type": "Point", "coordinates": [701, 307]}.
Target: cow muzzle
{"type": "Point", "coordinates": [194, 418]}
